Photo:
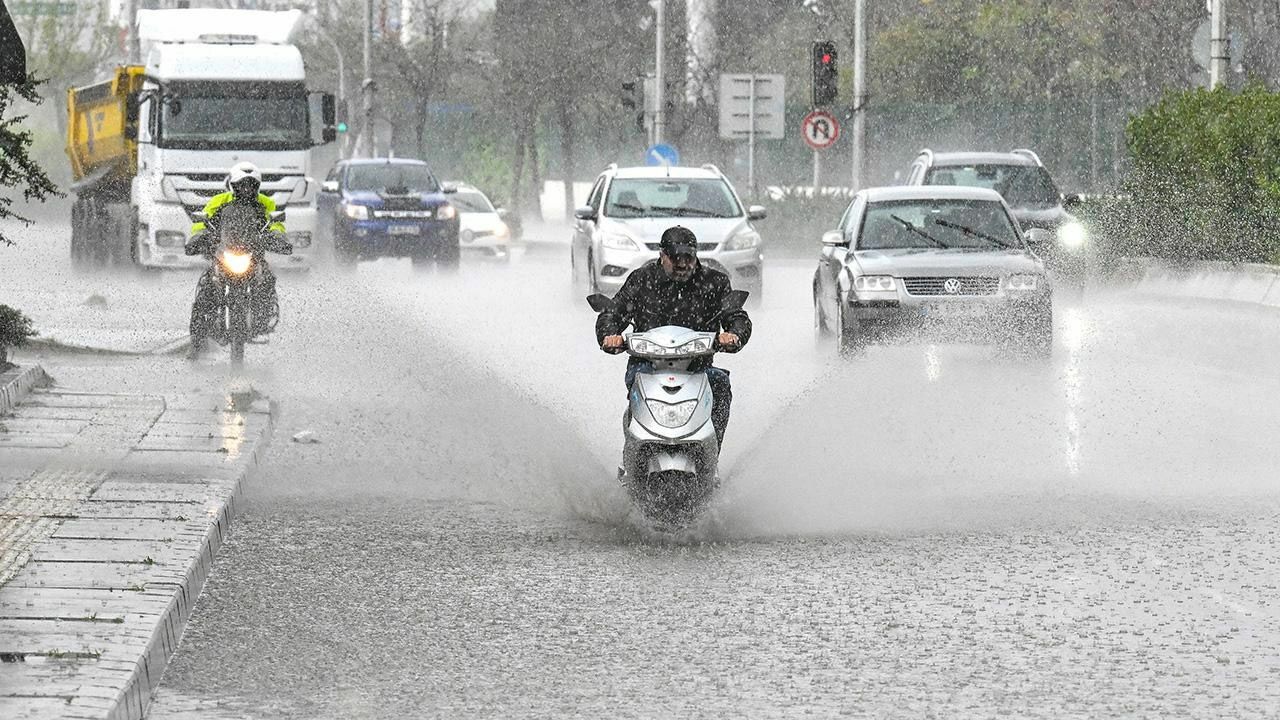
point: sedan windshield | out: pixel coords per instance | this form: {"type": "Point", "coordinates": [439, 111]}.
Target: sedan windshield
{"type": "Point", "coordinates": [937, 224]}
{"type": "Point", "coordinates": [225, 116]}
{"type": "Point", "coordinates": [471, 202]}
{"type": "Point", "coordinates": [1023, 186]}
{"type": "Point", "coordinates": [391, 179]}
{"type": "Point", "coordinates": [671, 197]}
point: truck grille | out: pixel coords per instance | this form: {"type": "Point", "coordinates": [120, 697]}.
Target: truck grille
{"type": "Point", "coordinates": [951, 286]}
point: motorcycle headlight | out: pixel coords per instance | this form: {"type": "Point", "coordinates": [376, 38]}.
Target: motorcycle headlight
{"type": "Point", "coordinates": [672, 415]}
{"type": "Point", "coordinates": [356, 212]}
{"type": "Point", "coordinates": [875, 283]}
{"type": "Point", "coordinates": [1072, 235]}
{"type": "Point", "coordinates": [1022, 282]}
{"type": "Point", "coordinates": [743, 240]}
{"type": "Point", "coordinates": [618, 241]}
{"type": "Point", "coordinates": [446, 212]}
{"type": "Point", "coordinates": [236, 263]}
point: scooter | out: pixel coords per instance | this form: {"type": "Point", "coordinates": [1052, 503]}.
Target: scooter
{"type": "Point", "coordinates": [670, 455]}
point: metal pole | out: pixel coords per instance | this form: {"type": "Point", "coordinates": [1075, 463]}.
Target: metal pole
{"type": "Point", "coordinates": [751, 138]}
{"type": "Point", "coordinates": [1217, 44]}
{"type": "Point", "coordinates": [133, 44]}
{"type": "Point", "coordinates": [342, 72]}
{"type": "Point", "coordinates": [659, 73]}
{"type": "Point", "coordinates": [859, 92]}
{"type": "Point", "coordinates": [366, 87]}
{"type": "Point", "coordinates": [817, 171]}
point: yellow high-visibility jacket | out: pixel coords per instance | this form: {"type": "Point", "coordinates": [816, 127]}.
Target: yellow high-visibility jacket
{"type": "Point", "coordinates": [217, 201]}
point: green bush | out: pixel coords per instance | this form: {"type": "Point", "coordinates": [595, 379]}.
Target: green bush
{"type": "Point", "coordinates": [1206, 179]}
{"type": "Point", "coordinates": [15, 328]}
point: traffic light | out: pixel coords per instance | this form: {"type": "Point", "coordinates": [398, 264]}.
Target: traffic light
{"type": "Point", "coordinates": [826, 85]}
{"type": "Point", "coordinates": [341, 125]}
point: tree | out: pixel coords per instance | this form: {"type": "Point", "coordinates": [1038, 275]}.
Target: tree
{"type": "Point", "coordinates": [17, 169]}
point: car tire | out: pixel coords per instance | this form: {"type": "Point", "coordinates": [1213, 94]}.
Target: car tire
{"type": "Point", "coordinates": [593, 285]}
{"type": "Point", "coordinates": [852, 337]}
{"type": "Point", "coordinates": [344, 258]}
{"type": "Point", "coordinates": [821, 329]}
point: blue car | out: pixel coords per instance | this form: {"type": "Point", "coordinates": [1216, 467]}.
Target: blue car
{"type": "Point", "coordinates": [387, 207]}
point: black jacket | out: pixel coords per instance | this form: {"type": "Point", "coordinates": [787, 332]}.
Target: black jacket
{"type": "Point", "coordinates": [650, 298]}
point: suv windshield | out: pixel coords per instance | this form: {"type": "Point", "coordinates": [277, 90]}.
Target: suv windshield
{"type": "Point", "coordinates": [671, 197]}
{"type": "Point", "coordinates": [392, 179]}
{"type": "Point", "coordinates": [470, 201]}
{"type": "Point", "coordinates": [938, 224]}
{"type": "Point", "coordinates": [234, 115]}
{"type": "Point", "coordinates": [1023, 186]}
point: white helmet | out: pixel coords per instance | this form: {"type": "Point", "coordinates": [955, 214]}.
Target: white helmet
{"type": "Point", "coordinates": [243, 171]}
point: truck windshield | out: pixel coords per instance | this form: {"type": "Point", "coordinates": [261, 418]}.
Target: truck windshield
{"type": "Point", "coordinates": [235, 116]}
{"type": "Point", "coordinates": [393, 179]}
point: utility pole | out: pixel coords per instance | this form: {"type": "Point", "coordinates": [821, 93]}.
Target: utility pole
{"type": "Point", "coordinates": [659, 76]}
{"type": "Point", "coordinates": [1218, 50]}
{"type": "Point", "coordinates": [859, 92]}
{"type": "Point", "coordinates": [133, 46]}
{"type": "Point", "coordinates": [367, 87]}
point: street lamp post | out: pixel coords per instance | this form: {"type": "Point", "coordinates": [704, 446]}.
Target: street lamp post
{"type": "Point", "coordinates": [367, 87]}
{"type": "Point", "coordinates": [659, 74]}
{"type": "Point", "coordinates": [342, 68]}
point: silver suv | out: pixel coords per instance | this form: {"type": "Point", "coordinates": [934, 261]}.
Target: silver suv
{"type": "Point", "coordinates": [619, 228]}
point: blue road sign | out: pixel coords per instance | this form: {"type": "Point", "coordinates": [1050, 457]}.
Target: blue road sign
{"type": "Point", "coordinates": [661, 154]}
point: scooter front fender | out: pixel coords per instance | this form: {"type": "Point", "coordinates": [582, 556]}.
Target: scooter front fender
{"type": "Point", "coordinates": [669, 461]}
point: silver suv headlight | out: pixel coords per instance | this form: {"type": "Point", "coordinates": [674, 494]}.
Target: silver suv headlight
{"type": "Point", "coordinates": [1072, 235]}
{"type": "Point", "coordinates": [618, 241]}
{"type": "Point", "coordinates": [1022, 282]}
{"type": "Point", "coordinates": [744, 239]}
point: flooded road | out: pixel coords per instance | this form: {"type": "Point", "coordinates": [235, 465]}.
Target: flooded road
{"type": "Point", "coordinates": [926, 531]}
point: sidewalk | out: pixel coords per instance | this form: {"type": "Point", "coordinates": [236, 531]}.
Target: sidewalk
{"type": "Point", "coordinates": [112, 508]}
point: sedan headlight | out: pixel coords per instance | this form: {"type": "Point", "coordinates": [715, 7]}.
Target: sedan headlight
{"type": "Point", "coordinates": [356, 212]}
{"type": "Point", "coordinates": [447, 212]}
{"type": "Point", "coordinates": [618, 241]}
{"type": "Point", "coordinates": [1022, 282]}
{"type": "Point", "coordinates": [875, 283]}
{"type": "Point", "coordinates": [1072, 235]}
{"type": "Point", "coordinates": [743, 240]}
{"type": "Point", "coordinates": [672, 415]}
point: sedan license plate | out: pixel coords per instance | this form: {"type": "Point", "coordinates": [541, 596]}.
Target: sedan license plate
{"type": "Point", "coordinates": [403, 230]}
{"type": "Point", "coordinates": [944, 311]}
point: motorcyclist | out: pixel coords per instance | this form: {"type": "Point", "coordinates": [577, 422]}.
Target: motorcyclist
{"type": "Point", "coordinates": [676, 289]}
{"type": "Point", "coordinates": [243, 184]}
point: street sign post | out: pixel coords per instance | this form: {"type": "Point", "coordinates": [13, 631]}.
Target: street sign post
{"type": "Point", "coordinates": [752, 106]}
{"type": "Point", "coordinates": [820, 130]}
{"type": "Point", "coordinates": [662, 155]}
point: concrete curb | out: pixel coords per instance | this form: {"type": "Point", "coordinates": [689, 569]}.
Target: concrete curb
{"type": "Point", "coordinates": [1249, 283]}
{"type": "Point", "coordinates": [135, 698]}
{"type": "Point", "coordinates": [15, 388]}
{"type": "Point", "coordinates": [173, 347]}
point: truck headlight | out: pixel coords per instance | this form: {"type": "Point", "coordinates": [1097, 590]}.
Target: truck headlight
{"type": "Point", "coordinates": [356, 212]}
{"type": "Point", "coordinates": [672, 415]}
{"type": "Point", "coordinates": [875, 283]}
{"type": "Point", "coordinates": [1072, 235]}
{"type": "Point", "coordinates": [169, 238]}
{"type": "Point", "coordinates": [1022, 282]}
{"type": "Point", "coordinates": [743, 240]}
{"type": "Point", "coordinates": [618, 241]}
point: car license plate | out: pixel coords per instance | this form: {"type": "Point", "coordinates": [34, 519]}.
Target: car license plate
{"type": "Point", "coordinates": [403, 230]}
{"type": "Point", "coordinates": [951, 310]}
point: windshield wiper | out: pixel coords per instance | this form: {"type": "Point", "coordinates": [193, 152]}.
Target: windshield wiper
{"type": "Point", "coordinates": [681, 211]}
{"type": "Point", "coordinates": [628, 206]}
{"type": "Point", "coordinates": [907, 224]}
{"type": "Point", "coordinates": [970, 231]}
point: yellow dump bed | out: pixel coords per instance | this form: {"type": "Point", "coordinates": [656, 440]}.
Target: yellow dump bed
{"type": "Point", "coordinates": [101, 127]}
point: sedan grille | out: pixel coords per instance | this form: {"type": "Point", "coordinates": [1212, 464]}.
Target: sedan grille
{"type": "Point", "coordinates": [952, 286]}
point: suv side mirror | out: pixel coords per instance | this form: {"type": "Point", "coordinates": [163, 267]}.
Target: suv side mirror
{"type": "Point", "coordinates": [757, 212]}
{"type": "Point", "coordinates": [586, 212]}
{"type": "Point", "coordinates": [834, 238]}
{"type": "Point", "coordinates": [448, 188]}
{"type": "Point", "coordinates": [1072, 200]}
{"type": "Point", "coordinates": [329, 186]}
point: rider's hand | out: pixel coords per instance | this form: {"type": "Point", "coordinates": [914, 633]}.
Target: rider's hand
{"type": "Point", "coordinates": [612, 344]}
{"type": "Point", "coordinates": [727, 340]}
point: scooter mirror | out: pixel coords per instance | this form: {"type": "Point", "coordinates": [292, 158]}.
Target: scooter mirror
{"type": "Point", "coordinates": [277, 216]}
{"type": "Point", "coordinates": [734, 300]}
{"type": "Point", "coordinates": [601, 303]}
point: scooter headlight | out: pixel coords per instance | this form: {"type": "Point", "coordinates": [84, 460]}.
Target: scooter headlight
{"type": "Point", "coordinates": [236, 263]}
{"type": "Point", "coordinates": [672, 415]}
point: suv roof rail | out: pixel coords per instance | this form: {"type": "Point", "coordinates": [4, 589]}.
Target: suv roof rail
{"type": "Point", "coordinates": [712, 168]}
{"type": "Point", "coordinates": [1029, 154]}
{"type": "Point", "coordinates": [926, 152]}
{"type": "Point", "coordinates": [610, 167]}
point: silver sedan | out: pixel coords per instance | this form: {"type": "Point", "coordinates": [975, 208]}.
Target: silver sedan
{"type": "Point", "coordinates": [947, 260]}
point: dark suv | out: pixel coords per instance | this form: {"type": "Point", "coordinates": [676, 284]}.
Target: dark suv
{"type": "Point", "coordinates": [1028, 190]}
{"type": "Point", "coordinates": [387, 207]}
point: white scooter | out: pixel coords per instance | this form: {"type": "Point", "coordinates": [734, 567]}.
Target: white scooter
{"type": "Point", "coordinates": [670, 453]}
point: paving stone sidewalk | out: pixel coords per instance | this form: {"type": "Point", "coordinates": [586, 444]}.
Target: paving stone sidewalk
{"type": "Point", "coordinates": [112, 508]}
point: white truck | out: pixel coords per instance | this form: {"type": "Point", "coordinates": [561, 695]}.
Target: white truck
{"type": "Point", "coordinates": [155, 142]}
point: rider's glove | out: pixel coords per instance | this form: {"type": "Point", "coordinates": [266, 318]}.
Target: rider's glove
{"type": "Point", "coordinates": [197, 245]}
{"type": "Point", "coordinates": [277, 243]}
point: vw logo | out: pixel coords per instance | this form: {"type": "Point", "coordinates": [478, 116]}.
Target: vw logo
{"type": "Point", "coordinates": [952, 286]}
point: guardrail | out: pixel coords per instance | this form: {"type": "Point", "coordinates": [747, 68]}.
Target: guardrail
{"type": "Point", "coordinates": [1252, 283]}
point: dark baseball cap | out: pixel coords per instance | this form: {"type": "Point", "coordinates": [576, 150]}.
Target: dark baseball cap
{"type": "Point", "coordinates": [679, 240]}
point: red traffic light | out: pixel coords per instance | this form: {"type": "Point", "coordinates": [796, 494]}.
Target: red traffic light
{"type": "Point", "coordinates": [826, 59]}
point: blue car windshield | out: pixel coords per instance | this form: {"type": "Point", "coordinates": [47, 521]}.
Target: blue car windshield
{"type": "Point", "coordinates": [391, 179]}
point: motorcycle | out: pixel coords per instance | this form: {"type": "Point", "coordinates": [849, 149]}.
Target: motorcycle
{"type": "Point", "coordinates": [235, 241]}
{"type": "Point", "coordinates": [670, 455]}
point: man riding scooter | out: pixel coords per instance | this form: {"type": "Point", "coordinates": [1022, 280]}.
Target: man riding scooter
{"type": "Point", "coordinates": [678, 290]}
{"type": "Point", "coordinates": [243, 183]}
